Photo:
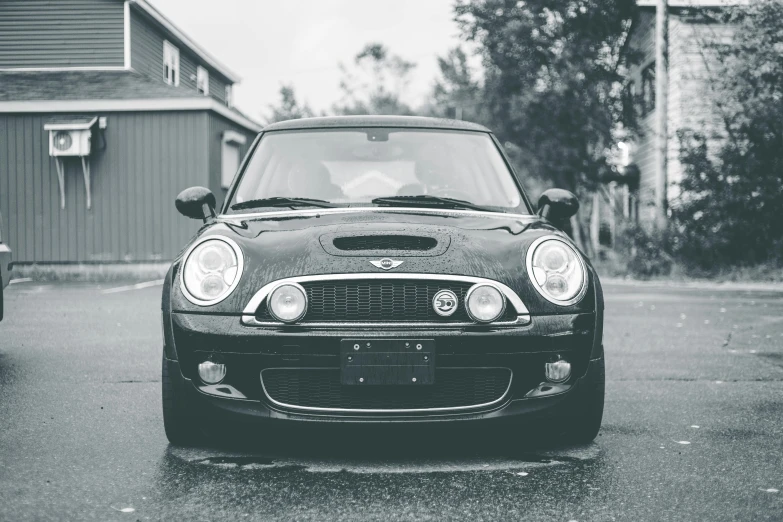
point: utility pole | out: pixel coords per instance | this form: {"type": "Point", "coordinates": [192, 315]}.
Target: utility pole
{"type": "Point", "coordinates": [661, 112]}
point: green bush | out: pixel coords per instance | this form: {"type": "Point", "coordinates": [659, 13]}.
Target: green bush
{"type": "Point", "coordinates": [645, 252]}
{"type": "Point", "coordinates": [730, 212]}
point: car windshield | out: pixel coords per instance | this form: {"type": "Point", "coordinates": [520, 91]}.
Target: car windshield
{"type": "Point", "coordinates": [377, 167]}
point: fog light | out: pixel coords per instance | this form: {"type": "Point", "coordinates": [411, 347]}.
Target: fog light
{"type": "Point", "coordinates": [211, 373]}
{"type": "Point", "coordinates": [557, 371]}
{"type": "Point", "coordinates": [288, 303]}
{"type": "Point", "coordinates": [484, 303]}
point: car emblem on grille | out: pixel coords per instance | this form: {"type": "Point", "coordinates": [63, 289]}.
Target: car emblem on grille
{"type": "Point", "coordinates": [445, 303]}
{"type": "Point", "coordinates": [386, 263]}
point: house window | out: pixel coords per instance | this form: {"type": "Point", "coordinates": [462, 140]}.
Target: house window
{"type": "Point", "coordinates": [229, 95]}
{"type": "Point", "coordinates": [202, 81]}
{"type": "Point", "coordinates": [230, 156]}
{"type": "Point", "coordinates": [170, 63]}
{"type": "Point", "coordinates": [648, 89]}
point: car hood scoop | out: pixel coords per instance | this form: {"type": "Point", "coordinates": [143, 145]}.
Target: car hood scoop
{"type": "Point", "coordinates": [427, 242]}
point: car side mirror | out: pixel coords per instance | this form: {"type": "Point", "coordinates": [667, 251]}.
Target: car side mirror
{"type": "Point", "coordinates": [557, 206]}
{"type": "Point", "coordinates": [197, 203]}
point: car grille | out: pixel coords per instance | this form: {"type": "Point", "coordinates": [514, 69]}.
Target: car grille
{"type": "Point", "coordinates": [391, 242]}
{"type": "Point", "coordinates": [377, 300]}
{"type": "Point", "coordinates": [321, 389]}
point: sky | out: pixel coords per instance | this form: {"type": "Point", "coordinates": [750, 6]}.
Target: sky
{"type": "Point", "coordinates": [269, 43]}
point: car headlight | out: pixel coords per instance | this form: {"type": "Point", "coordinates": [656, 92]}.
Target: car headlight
{"type": "Point", "coordinates": [556, 270]}
{"type": "Point", "coordinates": [211, 270]}
{"type": "Point", "coordinates": [287, 302]}
{"type": "Point", "coordinates": [484, 303]}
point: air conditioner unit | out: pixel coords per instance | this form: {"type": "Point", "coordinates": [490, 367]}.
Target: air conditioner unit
{"type": "Point", "coordinates": [73, 142]}
{"type": "Point", "coordinates": [72, 137]}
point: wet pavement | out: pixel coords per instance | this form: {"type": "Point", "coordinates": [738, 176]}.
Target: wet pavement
{"type": "Point", "coordinates": [693, 428]}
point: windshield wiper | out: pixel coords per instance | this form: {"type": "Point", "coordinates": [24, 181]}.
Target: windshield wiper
{"type": "Point", "coordinates": [279, 201]}
{"type": "Point", "coordinates": [428, 201]}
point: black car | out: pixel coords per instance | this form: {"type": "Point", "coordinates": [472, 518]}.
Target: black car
{"type": "Point", "coordinates": [5, 266]}
{"type": "Point", "coordinates": [381, 269]}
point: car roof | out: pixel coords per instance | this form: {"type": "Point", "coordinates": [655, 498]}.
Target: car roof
{"type": "Point", "coordinates": [337, 122]}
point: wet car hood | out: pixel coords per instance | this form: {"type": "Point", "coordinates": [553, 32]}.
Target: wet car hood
{"type": "Point", "coordinates": [489, 245]}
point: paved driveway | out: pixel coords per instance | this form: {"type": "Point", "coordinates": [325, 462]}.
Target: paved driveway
{"type": "Point", "coordinates": [693, 428]}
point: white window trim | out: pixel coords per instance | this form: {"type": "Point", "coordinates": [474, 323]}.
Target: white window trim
{"type": "Point", "coordinates": [127, 34]}
{"type": "Point", "coordinates": [201, 71]}
{"type": "Point", "coordinates": [172, 51]}
{"type": "Point", "coordinates": [229, 93]}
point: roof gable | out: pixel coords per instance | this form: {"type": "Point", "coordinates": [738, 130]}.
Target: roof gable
{"type": "Point", "coordinates": [177, 34]}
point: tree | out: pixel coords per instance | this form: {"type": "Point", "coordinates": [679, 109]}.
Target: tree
{"type": "Point", "coordinates": [288, 108]}
{"type": "Point", "coordinates": [732, 191]}
{"type": "Point", "coordinates": [376, 84]}
{"type": "Point", "coordinates": [552, 85]}
{"type": "Point", "coordinates": [458, 90]}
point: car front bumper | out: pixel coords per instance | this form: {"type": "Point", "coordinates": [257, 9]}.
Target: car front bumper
{"type": "Point", "coordinates": [5, 264]}
{"type": "Point", "coordinates": [535, 412]}
{"type": "Point", "coordinates": [247, 351]}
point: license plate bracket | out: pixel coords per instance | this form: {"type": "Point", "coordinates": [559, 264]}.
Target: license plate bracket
{"type": "Point", "coordinates": [368, 362]}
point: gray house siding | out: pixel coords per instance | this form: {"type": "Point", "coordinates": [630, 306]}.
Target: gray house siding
{"type": "Point", "coordinates": [643, 42]}
{"type": "Point", "coordinates": [149, 158]}
{"type": "Point", "coordinates": [147, 56]}
{"type": "Point", "coordinates": [66, 33]}
{"type": "Point", "coordinates": [217, 87]}
{"type": "Point", "coordinates": [146, 47]}
{"type": "Point", "coordinates": [691, 101]}
{"type": "Point", "coordinates": [147, 52]}
{"type": "Point", "coordinates": [217, 126]}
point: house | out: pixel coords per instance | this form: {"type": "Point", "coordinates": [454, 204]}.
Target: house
{"type": "Point", "coordinates": [108, 111]}
{"type": "Point", "coordinates": [694, 28]}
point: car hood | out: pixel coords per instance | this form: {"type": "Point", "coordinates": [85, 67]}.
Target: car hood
{"type": "Point", "coordinates": [289, 244]}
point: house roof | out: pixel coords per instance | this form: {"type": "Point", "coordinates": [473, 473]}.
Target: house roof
{"type": "Point", "coordinates": [84, 85]}
{"type": "Point", "coordinates": [90, 91]}
{"type": "Point", "coordinates": [375, 121]}
{"type": "Point", "coordinates": [178, 34]}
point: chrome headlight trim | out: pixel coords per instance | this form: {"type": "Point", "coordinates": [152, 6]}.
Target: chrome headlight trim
{"type": "Point", "coordinates": [582, 266]}
{"type": "Point", "coordinates": [240, 270]}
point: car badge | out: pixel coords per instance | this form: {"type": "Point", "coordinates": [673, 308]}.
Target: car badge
{"type": "Point", "coordinates": [445, 303]}
{"type": "Point", "coordinates": [386, 263]}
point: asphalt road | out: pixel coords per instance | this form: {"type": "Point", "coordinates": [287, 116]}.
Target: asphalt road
{"type": "Point", "coordinates": [693, 428]}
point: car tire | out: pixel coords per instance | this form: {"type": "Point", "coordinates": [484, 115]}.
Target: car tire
{"type": "Point", "coordinates": [179, 424]}
{"type": "Point", "coordinates": [587, 422]}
